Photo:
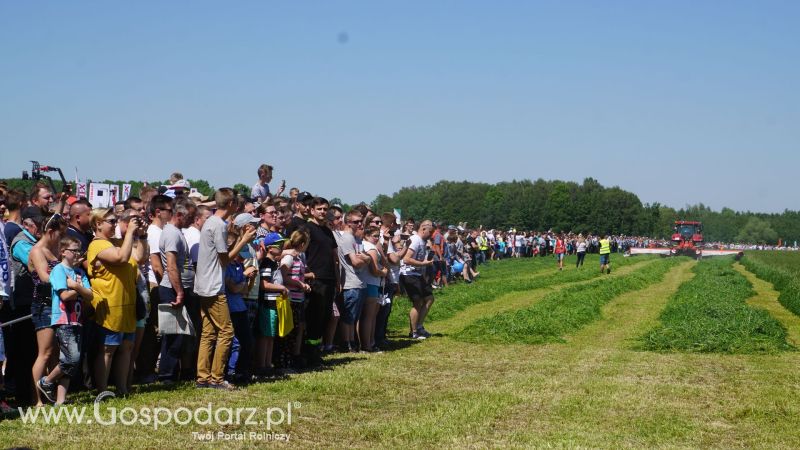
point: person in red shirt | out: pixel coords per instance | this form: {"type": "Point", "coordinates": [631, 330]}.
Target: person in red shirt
{"type": "Point", "coordinates": [560, 251]}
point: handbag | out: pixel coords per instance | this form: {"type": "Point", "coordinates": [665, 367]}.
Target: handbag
{"type": "Point", "coordinates": [285, 316]}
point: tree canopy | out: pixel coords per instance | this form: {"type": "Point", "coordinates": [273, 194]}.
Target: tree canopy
{"type": "Point", "coordinates": [587, 207]}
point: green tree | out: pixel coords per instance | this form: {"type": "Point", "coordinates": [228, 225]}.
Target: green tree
{"type": "Point", "coordinates": [757, 231]}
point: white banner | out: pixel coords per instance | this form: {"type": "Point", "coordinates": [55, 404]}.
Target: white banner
{"type": "Point", "coordinates": [98, 195]}
{"type": "Point", "coordinates": [80, 189]}
{"type": "Point", "coordinates": [126, 191]}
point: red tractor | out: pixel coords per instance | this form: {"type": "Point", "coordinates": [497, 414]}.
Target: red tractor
{"type": "Point", "coordinates": [687, 239]}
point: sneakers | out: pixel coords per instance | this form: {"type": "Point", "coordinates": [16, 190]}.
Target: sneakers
{"type": "Point", "coordinates": [48, 389]}
{"type": "Point", "coordinates": [423, 332]}
{"type": "Point", "coordinates": [5, 408]}
{"type": "Point", "coordinates": [418, 336]}
{"type": "Point", "coordinates": [225, 386]}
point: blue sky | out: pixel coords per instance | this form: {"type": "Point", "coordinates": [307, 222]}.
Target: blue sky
{"type": "Point", "coordinates": [679, 102]}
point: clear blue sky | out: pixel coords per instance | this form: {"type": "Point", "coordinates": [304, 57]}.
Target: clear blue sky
{"type": "Point", "coordinates": [679, 102]}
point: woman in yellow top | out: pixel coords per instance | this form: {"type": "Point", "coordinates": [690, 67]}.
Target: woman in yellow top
{"type": "Point", "coordinates": [113, 270]}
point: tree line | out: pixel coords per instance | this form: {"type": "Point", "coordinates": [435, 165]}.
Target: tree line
{"type": "Point", "coordinates": [586, 207]}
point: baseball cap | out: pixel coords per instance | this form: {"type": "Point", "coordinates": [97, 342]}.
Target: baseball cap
{"type": "Point", "coordinates": [31, 212]}
{"type": "Point", "coordinates": [245, 218]}
{"type": "Point", "coordinates": [273, 239]}
{"type": "Point", "coordinates": [304, 196]}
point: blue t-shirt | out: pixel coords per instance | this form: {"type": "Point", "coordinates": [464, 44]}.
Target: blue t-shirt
{"type": "Point", "coordinates": [66, 313]}
{"type": "Point", "coordinates": [235, 272]}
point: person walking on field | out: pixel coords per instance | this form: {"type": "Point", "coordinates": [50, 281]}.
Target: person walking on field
{"type": "Point", "coordinates": [560, 251]}
{"type": "Point", "coordinates": [580, 248]}
{"type": "Point", "coordinates": [605, 254]}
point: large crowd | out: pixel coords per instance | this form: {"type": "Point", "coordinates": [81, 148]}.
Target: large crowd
{"type": "Point", "coordinates": [242, 287]}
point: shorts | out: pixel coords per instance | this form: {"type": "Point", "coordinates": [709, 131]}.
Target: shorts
{"type": "Point", "coordinates": [40, 315]}
{"type": "Point", "coordinates": [559, 256]}
{"type": "Point", "coordinates": [373, 291]}
{"type": "Point", "coordinates": [141, 323]}
{"type": "Point", "coordinates": [457, 267]}
{"type": "Point", "coordinates": [113, 338]}
{"type": "Point", "coordinates": [416, 288]}
{"type": "Point", "coordinates": [266, 323]}
{"type": "Point", "coordinates": [353, 302]}
{"type": "Point", "coordinates": [605, 259]}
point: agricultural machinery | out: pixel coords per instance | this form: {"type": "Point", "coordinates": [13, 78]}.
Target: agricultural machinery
{"type": "Point", "coordinates": [687, 240]}
{"type": "Point", "coordinates": [39, 172]}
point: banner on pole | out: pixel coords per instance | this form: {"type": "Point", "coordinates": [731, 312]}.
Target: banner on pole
{"type": "Point", "coordinates": [98, 195]}
{"type": "Point", "coordinates": [80, 189]}
{"type": "Point", "coordinates": [126, 191]}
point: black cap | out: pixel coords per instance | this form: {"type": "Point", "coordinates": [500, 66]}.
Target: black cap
{"type": "Point", "coordinates": [32, 212]}
{"type": "Point", "coordinates": [304, 196]}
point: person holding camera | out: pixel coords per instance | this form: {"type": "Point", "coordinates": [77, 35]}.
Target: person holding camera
{"type": "Point", "coordinates": [113, 266]}
{"type": "Point", "coordinates": [260, 191]}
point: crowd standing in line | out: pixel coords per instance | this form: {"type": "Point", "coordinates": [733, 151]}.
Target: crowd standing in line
{"type": "Point", "coordinates": [270, 283]}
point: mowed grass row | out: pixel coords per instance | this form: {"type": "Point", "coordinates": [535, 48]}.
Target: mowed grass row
{"type": "Point", "coordinates": [782, 269]}
{"type": "Point", "coordinates": [502, 277]}
{"type": "Point", "coordinates": [709, 314]}
{"type": "Point", "coordinates": [563, 312]}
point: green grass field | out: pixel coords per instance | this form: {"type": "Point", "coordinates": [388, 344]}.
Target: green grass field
{"type": "Point", "coordinates": [589, 384]}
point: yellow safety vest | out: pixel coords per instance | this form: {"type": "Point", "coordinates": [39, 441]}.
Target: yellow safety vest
{"type": "Point", "coordinates": [605, 247]}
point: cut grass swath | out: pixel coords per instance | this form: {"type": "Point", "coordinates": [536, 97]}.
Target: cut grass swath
{"type": "Point", "coordinates": [708, 314]}
{"type": "Point", "coordinates": [562, 312]}
{"type": "Point", "coordinates": [782, 269]}
{"type": "Point", "coordinates": [503, 277]}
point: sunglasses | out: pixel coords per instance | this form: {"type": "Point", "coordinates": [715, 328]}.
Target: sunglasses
{"type": "Point", "coordinates": [377, 222]}
{"type": "Point", "coordinates": [76, 251]}
{"type": "Point", "coordinates": [110, 221]}
{"type": "Point", "coordinates": [55, 221]}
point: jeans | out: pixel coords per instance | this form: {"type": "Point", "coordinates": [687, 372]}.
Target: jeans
{"type": "Point", "coordinates": [382, 321]}
{"type": "Point", "coordinates": [215, 339]}
{"type": "Point", "coordinates": [241, 353]}
{"type": "Point", "coordinates": [581, 257]}
{"type": "Point", "coordinates": [169, 367]}
{"type": "Point", "coordinates": [69, 342]}
{"type": "Point", "coordinates": [481, 256]}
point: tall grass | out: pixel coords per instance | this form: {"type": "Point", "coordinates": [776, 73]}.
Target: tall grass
{"type": "Point", "coordinates": [502, 277]}
{"type": "Point", "coordinates": [562, 312]}
{"type": "Point", "coordinates": [708, 314]}
{"type": "Point", "coordinates": [782, 269]}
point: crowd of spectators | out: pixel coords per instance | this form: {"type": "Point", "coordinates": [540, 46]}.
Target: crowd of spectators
{"type": "Point", "coordinates": [269, 283]}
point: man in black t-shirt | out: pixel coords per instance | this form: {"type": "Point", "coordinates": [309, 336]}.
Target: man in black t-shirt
{"type": "Point", "coordinates": [301, 213]}
{"type": "Point", "coordinates": [322, 260]}
{"type": "Point", "coordinates": [80, 226]}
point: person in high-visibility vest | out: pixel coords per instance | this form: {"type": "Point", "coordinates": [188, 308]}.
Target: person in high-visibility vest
{"type": "Point", "coordinates": [605, 255]}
